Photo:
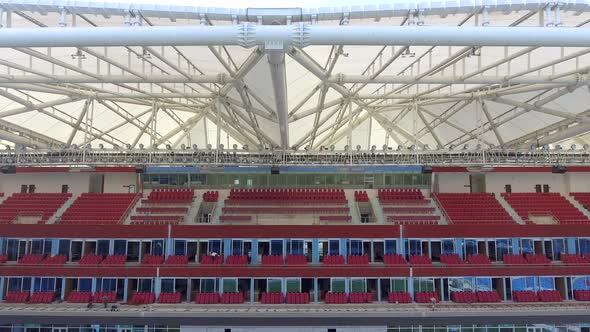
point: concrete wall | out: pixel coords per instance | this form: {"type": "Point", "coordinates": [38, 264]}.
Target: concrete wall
{"type": "Point", "coordinates": [525, 182]}
{"type": "Point", "coordinates": [453, 182]}
{"type": "Point", "coordinates": [119, 182]}
{"type": "Point", "coordinates": [45, 182]}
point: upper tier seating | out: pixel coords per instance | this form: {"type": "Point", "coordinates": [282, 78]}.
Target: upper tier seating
{"type": "Point", "coordinates": [394, 260]}
{"type": "Point", "coordinates": [575, 259]}
{"type": "Point", "coordinates": [335, 298]}
{"type": "Point", "coordinates": [114, 260]}
{"type": "Point", "coordinates": [152, 260]}
{"type": "Point", "coordinates": [358, 260]}
{"type": "Point", "coordinates": [286, 196]}
{"type": "Point", "coordinates": [272, 260]}
{"type": "Point", "coordinates": [333, 260]}
{"type": "Point", "coordinates": [451, 259]}
{"type": "Point", "coordinates": [90, 259]}
{"type": "Point", "coordinates": [524, 296]}
{"type": "Point", "coordinates": [170, 298]}
{"type": "Point", "coordinates": [399, 297]}
{"type": "Point", "coordinates": [488, 296]}
{"type": "Point", "coordinates": [514, 259]}
{"type": "Point", "coordinates": [42, 297]}
{"type": "Point", "coordinates": [537, 259]}
{"type": "Point", "coordinates": [79, 297]}
{"type": "Point", "coordinates": [16, 296]}
{"type": "Point", "coordinates": [296, 260]}
{"type": "Point", "coordinates": [478, 259]}
{"type": "Point", "coordinates": [211, 196]}
{"type": "Point", "coordinates": [212, 260]}
{"type": "Point", "coordinates": [177, 260]}
{"type": "Point", "coordinates": [297, 298]}
{"type": "Point", "coordinates": [55, 260]}
{"type": "Point", "coordinates": [528, 205]}
{"type": "Point", "coordinates": [475, 208]}
{"type": "Point", "coordinates": [102, 209]}
{"type": "Point", "coordinates": [43, 205]}
{"type": "Point", "coordinates": [549, 296]}
{"type": "Point", "coordinates": [232, 298]}
{"type": "Point", "coordinates": [420, 260]}
{"type": "Point", "coordinates": [236, 260]}
{"type": "Point", "coordinates": [407, 206]}
{"type": "Point", "coordinates": [31, 259]}
{"type": "Point", "coordinates": [426, 297]}
{"type": "Point", "coordinates": [207, 298]}
{"type": "Point", "coordinates": [164, 206]}
{"type": "Point", "coordinates": [360, 297]}
{"type": "Point", "coordinates": [143, 298]}
{"type": "Point", "coordinates": [464, 297]}
{"type": "Point", "coordinates": [582, 198]}
{"type": "Point", "coordinates": [361, 196]}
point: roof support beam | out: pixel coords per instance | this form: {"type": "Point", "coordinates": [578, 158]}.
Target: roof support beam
{"type": "Point", "coordinates": [538, 108]}
{"type": "Point", "coordinates": [298, 35]}
{"type": "Point", "coordinates": [278, 73]}
{"type": "Point", "coordinates": [78, 122]}
{"type": "Point", "coordinates": [493, 125]}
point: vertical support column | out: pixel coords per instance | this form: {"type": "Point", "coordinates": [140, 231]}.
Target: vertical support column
{"type": "Point", "coordinates": [2, 240]}
{"type": "Point", "coordinates": [32, 288]}
{"type": "Point", "coordinates": [347, 286]}
{"type": "Point", "coordinates": [111, 247]}
{"type": "Point", "coordinates": [571, 245]}
{"type": "Point", "coordinates": [220, 290]}
{"type": "Point", "coordinates": [254, 250]}
{"type": "Point", "coordinates": [315, 290]}
{"type": "Point", "coordinates": [315, 253]}
{"type": "Point", "coordinates": [93, 286]}
{"type": "Point", "coordinates": [226, 248]}
{"type": "Point", "coordinates": [189, 290]}
{"type": "Point", "coordinates": [125, 289]}
{"type": "Point", "coordinates": [284, 248]}
{"type": "Point", "coordinates": [63, 289]}
{"type": "Point", "coordinates": [504, 295]}
{"type": "Point", "coordinates": [372, 251]}
{"type": "Point", "coordinates": [515, 245]}
{"type": "Point", "coordinates": [55, 247]}
{"type": "Point", "coordinates": [251, 290]}
{"type": "Point", "coordinates": [459, 248]}
{"type": "Point", "coordinates": [343, 249]}
{"type": "Point", "coordinates": [169, 248]}
{"type": "Point", "coordinates": [284, 286]}
{"type": "Point", "coordinates": [410, 285]}
{"type": "Point", "coordinates": [157, 286]}
{"type": "Point", "coordinates": [378, 289]}
{"type": "Point", "coordinates": [2, 288]}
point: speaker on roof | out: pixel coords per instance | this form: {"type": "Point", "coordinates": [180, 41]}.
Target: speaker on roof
{"type": "Point", "coordinates": [558, 169]}
{"type": "Point", "coordinates": [275, 170]}
{"type": "Point", "coordinates": [8, 169]}
{"type": "Point", "coordinates": [139, 170]}
{"type": "Point", "coordinates": [426, 170]}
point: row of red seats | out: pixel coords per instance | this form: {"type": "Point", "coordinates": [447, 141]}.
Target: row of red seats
{"type": "Point", "coordinates": [207, 298]}
{"type": "Point", "coordinates": [272, 298]}
{"type": "Point", "coordinates": [451, 259]}
{"type": "Point", "coordinates": [296, 260]}
{"type": "Point", "coordinates": [33, 204]}
{"type": "Point", "coordinates": [162, 209]}
{"type": "Point", "coordinates": [464, 297]}
{"type": "Point", "coordinates": [335, 195]}
{"type": "Point", "coordinates": [474, 297]}
{"type": "Point", "coordinates": [361, 196]}
{"type": "Point", "coordinates": [358, 260]}
{"type": "Point", "coordinates": [333, 260]}
{"type": "Point", "coordinates": [16, 296]}
{"type": "Point", "coordinates": [478, 259]}
{"type": "Point", "coordinates": [414, 222]}
{"type": "Point", "coordinates": [236, 260]}
{"type": "Point", "coordinates": [79, 297]}
{"type": "Point", "coordinates": [549, 296]}
{"type": "Point", "coordinates": [176, 196]}
{"type": "Point", "coordinates": [152, 222]}
{"type": "Point", "coordinates": [100, 297]}
{"type": "Point", "coordinates": [177, 260]}
{"type": "Point", "coordinates": [90, 259]}
{"type": "Point", "coordinates": [94, 208]}
{"type": "Point", "coordinates": [389, 195]}
{"type": "Point", "coordinates": [336, 218]}
{"type": "Point", "coordinates": [31, 259]}
{"type": "Point", "coordinates": [420, 260]}
{"type": "Point", "coordinates": [230, 218]}
{"type": "Point", "coordinates": [524, 296]}
{"type": "Point", "coordinates": [152, 259]}
{"type": "Point", "coordinates": [539, 259]}
{"type": "Point", "coordinates": [143, 298]}
{"type": "Point", "coordinates": [526, 204]}
{"type": "Point", "coordinates": [114, 260]}
{"type": "Point", "coordinates": [335, 298]}
{"type": "Point", "coordinates": [413, 217]}
{"type": "Point", "coordinates": [360, 297]}
{"type": "Point", "coordinates": [55, 260]}
{"type": "Point", "coordinates": [399, 297]}
{"type": "Point", "coordinates": [211, 196]}
{"type": "Point", "coordinates": [514, 259]}
{"type": "Point", "coordinates": [283, 210]}
{"type": "Point", "coordinates": [3, 258]}
{"type": "Point", "coordinates": [155, 218]}
{"type": "Point", "coordinates": [42, 297]}
{"type": "Point", "coordinates": [170, 298]}
{"type": "Point", "coordinates": [297, 298]}
{"type": "Point", "coordinates": [426, 297]}
{"type": "Point", "coordinates": [212, 260]}
{"type": "Point", "coordinates": [575, 259]}
{"type": "Point", "coordinates": [408, 209]}
{"type": "Point", "coordinates": [582, 295]}
{"type": "Point", "coordinates": [467, 208]}
{"type": "Point", "coordinates": [393, 259]}
{"type": "Point", "coordinates": [232, 298]}
{"type": "Point", "coordinates": [272, 260]}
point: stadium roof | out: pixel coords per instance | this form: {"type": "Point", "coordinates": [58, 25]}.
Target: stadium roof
{"type": "Point", "coordinates": [423, 73]}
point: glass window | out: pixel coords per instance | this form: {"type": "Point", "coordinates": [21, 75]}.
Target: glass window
{"type": "Point", "coordinates": [64, 247]}
{"type": "Point", "coordinates": [85, 284]}
{"type": "Point", "coordinates": [483, 284]}
{"type": "Point", "coordinates": [215, 246]}
{"type": "Point", "coordinates": [398, 285]}
{"type": "Point", "coordinates": [106, 284]}
{"type": "Point", "coordinates": [578, 283]}
{"type": "Point", "coordinates": [584, 246]}
{"type": "Point", "coordinates": [415, 247]}
{"type": "Point", "coordinates": [273, 286]}
{"type": "Point", "coordinates": [158, 247]}
{"type": "Point", "coordinates": [503, 247]}
{"type": "Point", "coordinates": [37, 247]}
{"type": "Point", "coordinates": [276, 247]}
{"type": "Point", "coordinates": [356, 247]}
{"type": "Point", "coordinates": [230, 285]}
{"type": "Point", "coordinates": [390, 247]}
{"type": "Point", "coordinates": [179, 247]}
{"type": "Point", "coordinates": [358, 285]}
{"type": "Point", "coordinates": [297, 247]}
{"type": "Point", "coordinates": [334, 247]}
{"type": "Point", "coordinates": [294, 285]}
{"type": "Point", "coordinates": [207, 285]}
{"type": "Point", "coordinates": [546, 283]}
{"type": "Point", "coordinates": [558, 248]}
{"type": "Point", "coordinates": [423, 285]}
{"type": "Point", "coordinates": [237, 247]}
{"type": "Point", "coordinates": [120, 247]}
{"type": "Point", "coordinates": [527, 246]}
{"type": "Point", "coordinates": [470, 247]}
{"type": "Point", "coordinates": [47, 246]}
{"type": "Point", "coordinates": [144, 285]}
{"type": "Point", "coordinates": [337, 285]}
{"type": "Point", "coordinates": [102, 247]}
{"type": "Point", "coordinates": [167, 285]}
{"type": "Point", "coordinates": [448, 246]}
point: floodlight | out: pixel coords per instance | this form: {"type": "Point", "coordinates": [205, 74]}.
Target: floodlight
{"type": "Point", "coordinates": [573, 147]}
{"type": "Point", "coordinates": [358, 147]}
{"type": "Point", "coordinates": [141, 146]}
{"type": "Point", "coordinates": [245, 147]}
{"type": "Point", "coordinates": [235, 146]}
{"type": "Point", "coordinates": [195, 147]}
{"type": "Point", "coordinates": [208, 146]}
{"type": "Point", "coordinates": [168, 147]}
{"type": "Point", "coordinates": [332, 147]}
{"type": "Point", "coordinates": [128, 146]}
{"type": "Point", "coordinates": [101, 146]}
{"type": "Point", "coordinates": [183, 146]}
{"type": "Point", "coordinates": [220, 147]}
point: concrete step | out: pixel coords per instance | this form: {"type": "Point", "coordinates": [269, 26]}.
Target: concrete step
{"type": "Point", "coordinates": [62, 209]}
{"type": "Point", "coordinates": [509, 209]}
{"type": "Point", "coordinates": [577, 205]}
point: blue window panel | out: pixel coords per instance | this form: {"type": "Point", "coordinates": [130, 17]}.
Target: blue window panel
{"type": "Point", "coordinates": [48, 245]}
{"type": "Point", "coordinates": [26, 283]}
{"type": "Point", "coordinates": [64, 247]}
{"type": "Point", "coordinates": [503, 247]}
{"type": "Point", "coordinates": [85, 284]}
{"type": "Point", "coordinates": [356, 247]}
{"type": "Point", "coordinates": [276, 247]}
{"type": "Point", "coordinates": [179, 247]}
{"type": "Point", "coordinates": [461, 284]}
{"type": "Point", "coordinates": [167, 285]}
{"type": "Point", "coordinates": [158, 247]}
{"type": "Point", "coordinates": [12, 249]}
{"type": "Point", "coordinates": [120, 247]}
{"type": "Point", "coordinates": [470, 247]}
{"type": "Point", "coordinates": [44, 284]}
{"type": "Point", "coordinates": [581, 283]}
{"type": "Point", "coordinates": [15, 284]}
{"type": "Point", "coordinates": [546, 283]}
{"type": "Point", "coordinates": [107, 284]}
{"type": "Point", "coordinates": [448, 246]}
{"type": "Point", "coordinates": [483, 284]}
{"type": "Point", "coordinates": [237, 247]}
{"type": "Point", "coordinates": [334, 247]}
{"type": "Point", "coordinates": [215, 246]}
{"type": "Point", "coordinates": [37, 247]}
{"type": "Point", "coordinates": [527, 247]}
{"type": "Point", "coordinates": [559, 248]}
{"type": "Point", "coordinates": [390, 247]}
{"type": "Point", "coordinates": [415, 247]}
{"type": "Point", "coordinates": [102, 247]}
{"type": "Point", "coordinates": [584, 246]}
{"type": "Point", "coordinates": [144, 285]}
{"type": "Point", "coordinates": [297, 247]}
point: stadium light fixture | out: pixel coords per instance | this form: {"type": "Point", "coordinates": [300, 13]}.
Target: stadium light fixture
{"type": "Point", "coordinates": [195, 147]}
{"type": "Point", "coordinates": [245, 147]}
{"type": "Point", "coordinates": [168, 147]}
{"type": "Point", "coordinates": [141, 147]}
